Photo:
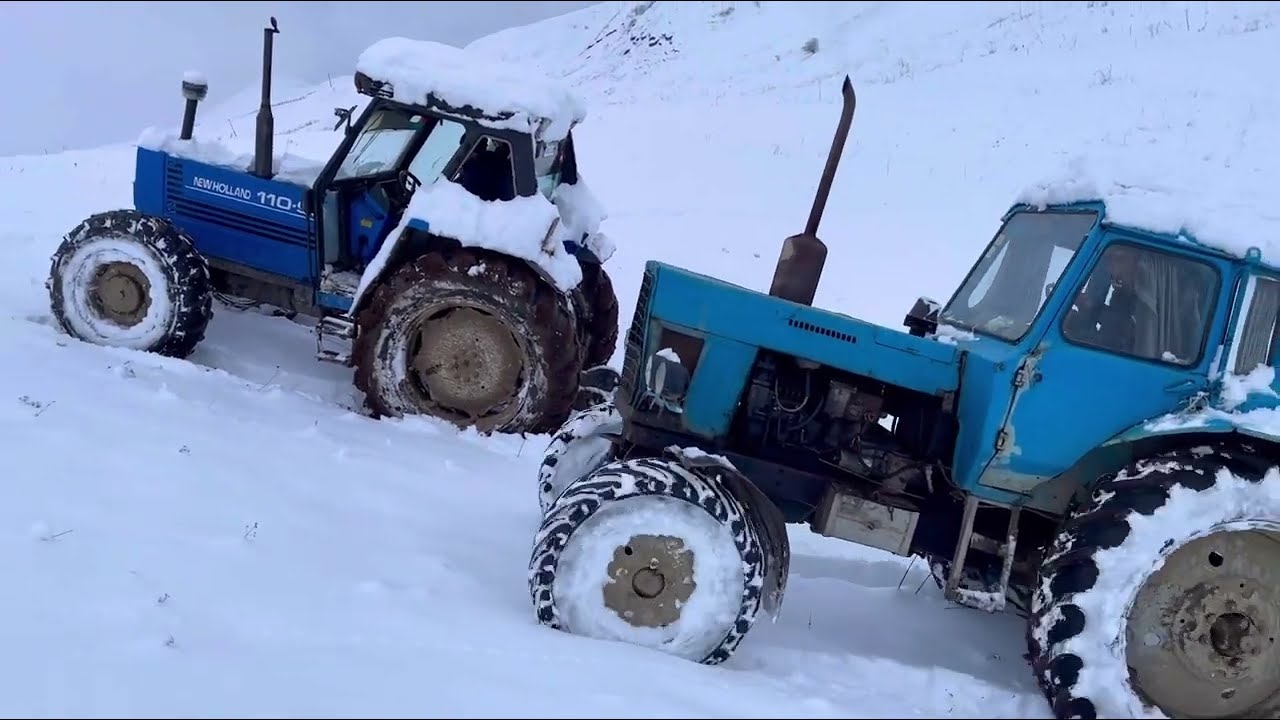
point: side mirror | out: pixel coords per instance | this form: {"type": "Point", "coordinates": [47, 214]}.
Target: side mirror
{"type": "Point", "coordinates": [1048, 290]}
{"type": "Point", "coordinates": [923, 318]}
{"type": "Point", "coordinates": [344, 116]}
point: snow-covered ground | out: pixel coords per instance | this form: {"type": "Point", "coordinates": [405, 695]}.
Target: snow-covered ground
{"type": "Point", "coordinates": [225, 536]}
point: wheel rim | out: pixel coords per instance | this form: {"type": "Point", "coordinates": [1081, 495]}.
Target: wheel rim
{"type": "Point", "coordinates": [686, 618]}
{"type": "Point", "coordinates": [468, 364]}
{"type": "Point", "coordinates": [1201, 639]}
{"type": "Point", "coordinates": [120, 292]}
{"type": "Point", "coordinates": [651, 580]}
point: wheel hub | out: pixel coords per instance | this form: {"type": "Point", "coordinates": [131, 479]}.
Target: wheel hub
{"type": "Point", "coordinates": [1229, 635]}
{"type": "Point", "coordinates": [468, 361]}
{"type": "Point", "coordinates": [1203, 630]}
{"type": "Point", "coordinates": [650, 580]}
{"type": "Point", "coordinates": [120, 292]}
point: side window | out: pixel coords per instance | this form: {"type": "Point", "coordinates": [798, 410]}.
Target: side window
{"type": "Point", "coordinates": [441, 145]}
{"type": "Point", "coordinates": [1255, 338]}
{"type": "Point", "coordinates": [548, 162]}
{"type": "Point", "coordinates": [487, 172]}
{"type": "Point", "coordinates": [1146, 304]}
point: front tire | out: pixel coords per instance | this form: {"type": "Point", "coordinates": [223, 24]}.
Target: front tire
{"type": "Point", "coordinates": [128, 280]}
{"type": "Point", "coordinates": [650, 553]}
{"type": "Point", "coordinates": [579, 447]}
{"type": "Point", "coordinates": [472, 337]}
{"type": "Point", "coordinates": [1161, 594]}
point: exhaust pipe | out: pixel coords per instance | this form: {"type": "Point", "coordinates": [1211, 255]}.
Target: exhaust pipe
{"type": "Point", "coordinates": [262, 146]}
{"type": "Point", "coordinates": [194, 89]}
{"type": "Point", "coordinates": [800, 264]}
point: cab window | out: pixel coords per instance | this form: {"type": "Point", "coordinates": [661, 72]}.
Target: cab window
{"type": "Point", "coordinates": [487, 171]}
{"type": "Point", "coordinates": [548, 162]}
{"type": "Point", "coordinates": [1005, 291]}
{"type": "Point", "coordinates": [381, 143]}
{"type": "Point", "coordinates": [440, 147]}
{"type": "Point", "coordinates": [1256, 336]}
{"type": "Point", "coordinates": [1145, 303]}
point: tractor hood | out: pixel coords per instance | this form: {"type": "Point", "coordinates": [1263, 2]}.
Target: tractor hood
{"type": "Point", "coordinates": [734, 319]}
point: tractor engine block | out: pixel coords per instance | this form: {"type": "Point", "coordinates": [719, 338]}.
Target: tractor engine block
{"type": "Point", "coordinates": [837, 420]}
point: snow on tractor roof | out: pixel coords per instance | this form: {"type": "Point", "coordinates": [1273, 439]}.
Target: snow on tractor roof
{"type": "Point", "coordinates": [503, 95]}
{"type": "Point", "coordinates": [1219, 203]}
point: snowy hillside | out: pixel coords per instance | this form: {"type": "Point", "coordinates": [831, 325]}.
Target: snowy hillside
{"type": "Point", "coordinates": [227, 536]}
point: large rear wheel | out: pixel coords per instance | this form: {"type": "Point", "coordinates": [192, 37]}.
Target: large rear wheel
{"type": "Point", "coordinates": [602, 316]}
{"type": "Point", "coordinates": [1161, 595]}
{"type": "Point", "coordinates": [474, 338]}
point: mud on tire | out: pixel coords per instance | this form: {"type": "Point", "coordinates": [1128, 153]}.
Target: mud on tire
{"type": "Point", "coordinates": [124, 279]}
{"type": "Point", "coordinates": [1159, 544]}
{"type": "Point", "coordinates": [578, 448]}
{"type": "Point", "coordinates": [594, 525]}
{"type": "Point", "coordinates": [601, 323]}
{"type": "Point", "coordinates": [530, 312]}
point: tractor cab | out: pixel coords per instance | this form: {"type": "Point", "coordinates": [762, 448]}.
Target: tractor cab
{"type": "Point", "coordinates": [392, 150]}
{"type": "Point", "coordinates": [1077, 330]}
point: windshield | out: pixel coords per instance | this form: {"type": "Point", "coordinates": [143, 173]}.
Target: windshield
{"type": "Point", "coordinates": [547, 164]}
{"type": "Point", "coordinates": [1004, 292]}
{"type": "Point", "coordinates": [381, 143]}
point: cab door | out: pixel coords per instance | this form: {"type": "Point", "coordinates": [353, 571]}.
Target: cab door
{"type": "Point", "coordinates": [1133, 345]}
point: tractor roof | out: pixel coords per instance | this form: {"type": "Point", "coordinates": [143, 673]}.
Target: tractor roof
{"type": "Point", "coordinates": [466, 84]}
{"type": "Point", "coordinates": [1204, 204]}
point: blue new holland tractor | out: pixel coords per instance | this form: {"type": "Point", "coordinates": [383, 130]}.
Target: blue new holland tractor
{"type": "Point", "coordinates": [1079, 435]}
{"type": "Point", "coordinates": [447, 250]}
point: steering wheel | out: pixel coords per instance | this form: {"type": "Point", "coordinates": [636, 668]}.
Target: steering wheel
{"type": "Point", "coordinates": [408, 183]}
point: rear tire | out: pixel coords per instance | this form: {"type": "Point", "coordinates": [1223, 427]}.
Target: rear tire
{"type": "Point", "coordinates": [650, 553]}
{"type": "Point", "coordinates": [601, 317]}
{"type": "Point", "coordinates": [472, 337]}
{"type": "Point", "coordinates": [1161, 594]}
{"type": "Point", "coordinates": [128, 280]}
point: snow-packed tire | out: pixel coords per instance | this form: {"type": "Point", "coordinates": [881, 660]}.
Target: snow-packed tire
{"type": "Point", "coordinates": [580, 446]}
{"type": "Point", "coordinates": [601, 318]}
{"type": "Point", "coordinates": [649, 552]}
{"type": "Point", "coordinates": [1161, 594]}
{"type": "Point", "coordinates": [124, 279]}
{"type": "Point", "coordinates": [471, 337]}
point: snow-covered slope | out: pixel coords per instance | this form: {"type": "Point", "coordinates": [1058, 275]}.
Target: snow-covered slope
{"type": "Point", "coordinates": [225, 536]}
{"type": "Point", "coordinates": [960, 111]}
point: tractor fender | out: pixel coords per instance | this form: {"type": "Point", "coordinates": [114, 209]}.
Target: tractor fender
{"type": "Point", "coordinates": [415, 239]}
{"type": "Point", "coordinates": [769, 520]}
{"type": "Point", "coordinates": [1183, 429]}
{"type": "Point", "coordinates": [1260, 424]}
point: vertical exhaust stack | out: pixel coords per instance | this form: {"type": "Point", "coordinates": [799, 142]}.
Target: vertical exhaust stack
{"type": "Point", "coordinates": [800, 263]}
{"type": "Point", "coordinates": [262, 147]}
{"type": "Point", "coordinates": [194, 89]}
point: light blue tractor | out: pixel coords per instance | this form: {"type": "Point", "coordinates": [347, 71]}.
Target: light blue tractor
{"type": "Point", "coordinates": [447, 250]}
{"type": "Point", "coordinates": [1085, 433]}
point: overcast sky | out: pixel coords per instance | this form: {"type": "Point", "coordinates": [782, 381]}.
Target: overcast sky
{"type": "Point", "coordinates": [76, 74]}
